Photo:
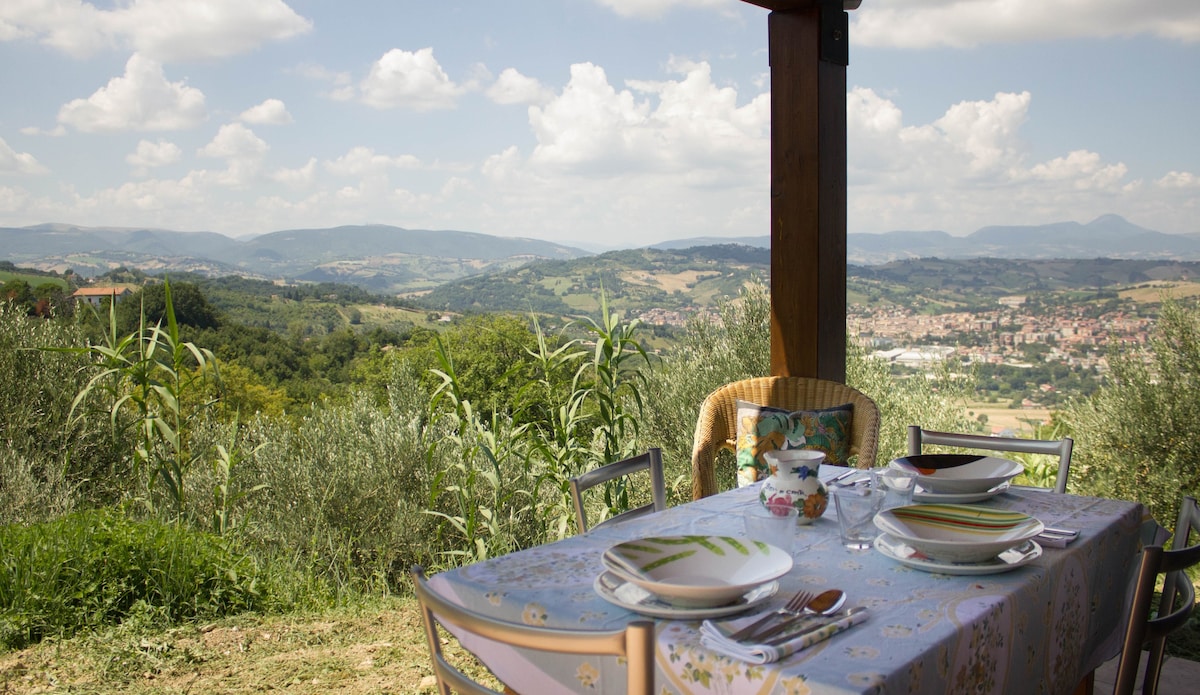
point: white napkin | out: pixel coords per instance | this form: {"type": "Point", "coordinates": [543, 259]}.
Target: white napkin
{"type": "Point", "coordinates": [717, 639]}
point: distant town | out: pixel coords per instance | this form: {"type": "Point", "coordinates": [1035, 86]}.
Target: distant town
{"type": "Point", "coordinates": [1068, 333]}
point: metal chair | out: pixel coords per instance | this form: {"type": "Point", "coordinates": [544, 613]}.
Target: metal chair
{"type": "Point", "coordinates": [650, 461]}
{"type": "Point", "coordinates": [634, 642]}
{"type": "Point", "coordinates": [1175, 605]}
{"type": "Point", "coordinates": [716, 426]}
{"type": "Point", "coordinates": [918, 438]}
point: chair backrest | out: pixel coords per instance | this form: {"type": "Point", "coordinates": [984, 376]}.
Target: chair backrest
{"type": "Point", "coordinates": [1174, 607]}
{"type": "Point", "coordinates": [634, 642]}
{"type": "Point", "coordinates": [650, 461]}
{"type": "Point", "coordinates": [918, 438]}
{"type": "Point", "coordinates": [716, 426]}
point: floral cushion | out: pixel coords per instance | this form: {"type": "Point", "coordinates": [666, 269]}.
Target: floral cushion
{"type": "Point", "coordinates": [763, 428]}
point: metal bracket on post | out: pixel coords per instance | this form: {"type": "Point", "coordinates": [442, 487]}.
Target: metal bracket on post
{"type": "Point", "coordinates": [835, 32]}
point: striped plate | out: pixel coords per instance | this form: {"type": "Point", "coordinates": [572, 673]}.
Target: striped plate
{"type": "Point", "coordinates": [958, 532]}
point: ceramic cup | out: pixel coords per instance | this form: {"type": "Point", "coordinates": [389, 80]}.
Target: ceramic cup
{"type": "Point", "coordinates": [856, 508]}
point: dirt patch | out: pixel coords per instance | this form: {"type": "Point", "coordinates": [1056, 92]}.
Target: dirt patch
{"type": "Point", "coordinates": [352, 652]}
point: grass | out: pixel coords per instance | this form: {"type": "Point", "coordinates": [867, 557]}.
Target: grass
{"type": "Point", "coordinates": [373, 647]}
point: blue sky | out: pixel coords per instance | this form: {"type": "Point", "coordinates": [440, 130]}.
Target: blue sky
{"type": "Point", "coordinates": [611, 122]}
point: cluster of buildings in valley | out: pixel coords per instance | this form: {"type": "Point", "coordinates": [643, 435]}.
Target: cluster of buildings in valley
{"type": "Point", "coordinates": [997, 336]}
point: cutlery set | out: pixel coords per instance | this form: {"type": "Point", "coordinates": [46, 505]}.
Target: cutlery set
{"type": "Point", "coordinates": [805, 613]}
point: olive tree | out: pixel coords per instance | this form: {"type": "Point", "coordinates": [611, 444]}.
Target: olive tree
{"type": "Point", "coordinates": [1138, 436]}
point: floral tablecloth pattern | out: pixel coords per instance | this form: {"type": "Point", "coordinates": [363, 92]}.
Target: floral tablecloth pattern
{"type": "Point", "coordinates": [1038, 629]}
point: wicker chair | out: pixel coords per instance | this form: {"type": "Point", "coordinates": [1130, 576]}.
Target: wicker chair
{"type": "Point", "coordinates": [716, 427]}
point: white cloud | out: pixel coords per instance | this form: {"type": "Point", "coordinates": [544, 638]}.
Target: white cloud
{"type": "Point", "coordinates": [166, 30]}
{"type": "Point", "coordinates": [141, 99]}
{"type": "Point", "coordinates": [270, 112]}
{"type": "Point", "coordinates": [150, 155]}
{"type": "Point", "coordinates": [653, 9]}
{"type": "Point", "coordinates": [970, 168]}
{"type": "Point", "coordinates": [13, 162]}
{"type": "Point", "coordinates": [362, 161]}
{"type": "Point", "coordinates": [514, 88]}
{"type": "Point", "coordinates": [1179, 179]}
{"type": "Point", "coordinates": [234, 141]}
{"type": "Point", "coordinates": [404, 79]}
{"type": "Point", "coordinates": [963, 23]}
{"type": "Point", "coordinates": [689, 127]}
{"type": "Point", "coordinates": [242, 151]}
{"type": "Point", "coordinates": [304, 176]}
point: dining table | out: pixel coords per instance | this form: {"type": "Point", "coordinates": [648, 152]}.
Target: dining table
{"type": "Point", "coordinates": [1040, 627]}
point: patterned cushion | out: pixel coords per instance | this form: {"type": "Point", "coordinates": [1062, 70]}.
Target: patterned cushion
{"type": "Point", "coordinates": [764, 428]}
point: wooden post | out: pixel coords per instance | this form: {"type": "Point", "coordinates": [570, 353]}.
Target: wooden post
{"type": "Point", "coordinates": [807, 43]}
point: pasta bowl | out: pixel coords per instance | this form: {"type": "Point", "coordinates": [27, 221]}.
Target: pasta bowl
{"type": "Point", "coordinates": [958, 532]}
{"type": "Point", "coordinates": [697, 571]}
{"type": "Point", "coordinates": [958, 473]}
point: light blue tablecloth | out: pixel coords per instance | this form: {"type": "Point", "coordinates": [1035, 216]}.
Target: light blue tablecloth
{"type": "Point", "coordinates": [1038, 629]}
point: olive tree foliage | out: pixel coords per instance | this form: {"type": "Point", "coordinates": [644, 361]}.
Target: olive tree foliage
{"type": "Point", "coordinates": [1138, 436]}
{"type": "Point", "coordinates": [736, 345]}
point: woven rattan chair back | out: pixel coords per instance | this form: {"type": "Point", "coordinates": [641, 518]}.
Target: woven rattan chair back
{"type": "Point", "coordinates": [716, 426]}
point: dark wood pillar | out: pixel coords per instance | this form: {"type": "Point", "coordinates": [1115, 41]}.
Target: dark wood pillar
{"type": "Point", "coordinates": [808, 43]}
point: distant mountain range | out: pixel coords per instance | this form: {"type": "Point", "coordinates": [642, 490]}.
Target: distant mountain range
{"type": "Point", "coordinates": [390, 259]}
{"type": "Point", "coordinates": [1108, 236]}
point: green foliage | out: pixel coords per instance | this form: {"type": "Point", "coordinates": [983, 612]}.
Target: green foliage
{"type": "Point", "coordinates": [49, 463]}
{"type": "Point", "coordinates": [1138, 437]}
{"type": "Point", "coordinates": [145, 377]}
{"type": "Point", "coordinates": [98, 567]}
{"type": "Point", "coordinates": [735, 346]}
{"type": "Point", "coordinates": [935, 400]}
{"type": "Point", "coordinates": [151, 304]}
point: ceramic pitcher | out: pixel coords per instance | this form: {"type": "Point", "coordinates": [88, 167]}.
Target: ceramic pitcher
{"type": "Point", "coordinates": [794, 481]}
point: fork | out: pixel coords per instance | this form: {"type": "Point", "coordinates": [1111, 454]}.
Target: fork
{"type": "Point", "coordinates": [794, 606]}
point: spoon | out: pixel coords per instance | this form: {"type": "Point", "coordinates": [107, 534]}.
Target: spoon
{"type": "Point", "coordinates": [826, 603]}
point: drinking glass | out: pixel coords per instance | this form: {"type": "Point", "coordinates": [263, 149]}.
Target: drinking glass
{"type": "Point", "coordinates": [775, 524]}
{"type": "Point", "coordinates": [856, 509]}
{"type": "Point", "coordinates": [898, 484]}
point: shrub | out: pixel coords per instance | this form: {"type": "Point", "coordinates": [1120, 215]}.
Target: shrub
{"type": "Point", "coordinates": [48, 465]}
{"type": "Point", "coordinates": [96, 567]}
{"type": "Point", "coordinates": [1138, 436]}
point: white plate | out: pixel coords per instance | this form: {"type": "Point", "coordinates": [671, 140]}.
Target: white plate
{"type": "Point", "coordinates": [632, 597]}
{"type": "Point", "coordinates": [949, 472]}
{"type": "Point", "coordinates": [923, 495]}
{"type": "Point", "coordinates": [895, 549]}
{"type": "Point", "coordinates": [697, 571]}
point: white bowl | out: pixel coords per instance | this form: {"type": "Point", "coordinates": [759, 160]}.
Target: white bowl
{"type": "Point", "coordinates": [697, 571]}
{"type": "Point", "coordinates": [958, 532]}
{"type": "Point", "coordinates": [959, 473]}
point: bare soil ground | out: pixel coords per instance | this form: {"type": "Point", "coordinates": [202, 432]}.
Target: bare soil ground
{"type": "Point", "coordinates": [380, 649]}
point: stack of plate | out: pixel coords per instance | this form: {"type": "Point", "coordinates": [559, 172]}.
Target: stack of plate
{"type": "Point", "coordinates": [691, 576]}
{"type": "Point", "coordinates": [937, 537]}
{"type": "Point", "coordinates": [958, 478]}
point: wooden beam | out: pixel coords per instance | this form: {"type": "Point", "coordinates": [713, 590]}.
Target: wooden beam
{"type": "Point", "coordinates": [808, 189]}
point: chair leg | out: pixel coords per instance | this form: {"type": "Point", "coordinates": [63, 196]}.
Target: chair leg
{"type": "Point", "coordinates": [1086, 686]}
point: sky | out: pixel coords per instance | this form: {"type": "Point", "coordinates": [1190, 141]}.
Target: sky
{"type": "Point", "coordinates": [612, 123]}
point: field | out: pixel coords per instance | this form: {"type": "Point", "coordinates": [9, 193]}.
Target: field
{"type": "Point", "coordinates": [1003, 417]}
